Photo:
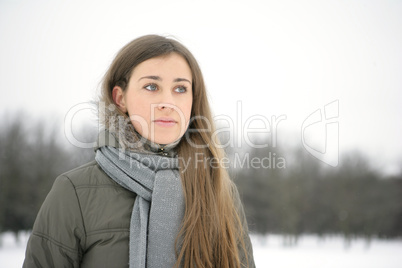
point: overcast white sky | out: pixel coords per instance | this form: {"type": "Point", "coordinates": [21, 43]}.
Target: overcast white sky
{"type": "Point", "coordinates": [276, 57]}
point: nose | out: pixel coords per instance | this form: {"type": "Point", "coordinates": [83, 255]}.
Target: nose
{"type": "Point", "coordinates": [164, 106]}
{"type": "Point", "coordinates": [166, 101]}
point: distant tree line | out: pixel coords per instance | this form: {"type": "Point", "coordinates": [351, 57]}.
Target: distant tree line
{"type": "Point", "coordinates": [32, 155]}
{"type": "Point", "coordinates": [309, 197]}
{"type": "Point", "coordinates": [304, 196]}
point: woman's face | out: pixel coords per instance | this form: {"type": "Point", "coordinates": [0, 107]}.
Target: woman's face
{"type": "Point", "coordinates": [158, 98]}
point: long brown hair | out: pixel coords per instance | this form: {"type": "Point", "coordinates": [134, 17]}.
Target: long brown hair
{"type": "Point", "coordinates": [211, 230]}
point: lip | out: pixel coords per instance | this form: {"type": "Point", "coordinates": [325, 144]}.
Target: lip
{"type": "Point", "coordinates": [165, 122]}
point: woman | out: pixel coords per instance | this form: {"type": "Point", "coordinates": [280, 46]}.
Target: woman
{"type": "Point", "coordinates": [149, 199]}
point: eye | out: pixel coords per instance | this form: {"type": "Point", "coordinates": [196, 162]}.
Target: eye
{"type": "Point", "coordinates": [151, 87]}
{"type": "Point", "coordinates": [180, 89]}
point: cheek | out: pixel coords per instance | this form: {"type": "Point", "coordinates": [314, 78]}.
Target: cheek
{"type": "Point", "coordinates": [185, 109]}
{"type": "Point", "coordinates": [139, 113]}
{"type": "Point", "coordinates": [188, 112]}
{"type": "Point", "coordinates": [139, 107]}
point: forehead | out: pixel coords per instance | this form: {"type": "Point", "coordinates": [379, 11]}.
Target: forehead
{"type": "Point", "coordinates": [172, 64]}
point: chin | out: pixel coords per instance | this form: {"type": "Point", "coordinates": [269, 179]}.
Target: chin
{"type": "Point", "coordinates": [166, 139]}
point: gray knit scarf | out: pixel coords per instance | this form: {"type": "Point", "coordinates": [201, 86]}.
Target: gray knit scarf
{"type": "Point", "coordinates": [158, 208]}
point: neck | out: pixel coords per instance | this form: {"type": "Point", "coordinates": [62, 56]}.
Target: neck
{"type": "Point", "coordinates": [162, 149]}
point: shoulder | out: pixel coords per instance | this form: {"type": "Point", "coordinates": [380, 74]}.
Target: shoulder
{"type": "Point", "coordinates": [87, 175]}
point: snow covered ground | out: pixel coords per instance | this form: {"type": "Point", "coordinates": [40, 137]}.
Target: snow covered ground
{"type": "Point", "coordinates": [270, 251]}
{"type": "Point", "coordinates": [312, 252]}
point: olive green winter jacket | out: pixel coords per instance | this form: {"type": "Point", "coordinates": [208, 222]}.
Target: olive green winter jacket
{"type": "Point", "coordinates": [85, 222]}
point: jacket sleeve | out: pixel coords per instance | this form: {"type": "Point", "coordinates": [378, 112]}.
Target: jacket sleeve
{"type": "Point", "coordinates": [246, 254]}
{"type": "Point", "coordinates": [58, 233]}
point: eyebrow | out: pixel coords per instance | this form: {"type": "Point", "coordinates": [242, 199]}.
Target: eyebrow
{"type": "Point", "coordinates": [158, 78]}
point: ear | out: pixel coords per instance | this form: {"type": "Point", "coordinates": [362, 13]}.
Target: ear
{"type": "Point", "coordinates": [118, 98]}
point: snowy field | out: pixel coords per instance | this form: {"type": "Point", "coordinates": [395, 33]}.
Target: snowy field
{"type": "Point", "coordinates": [270, 251]}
